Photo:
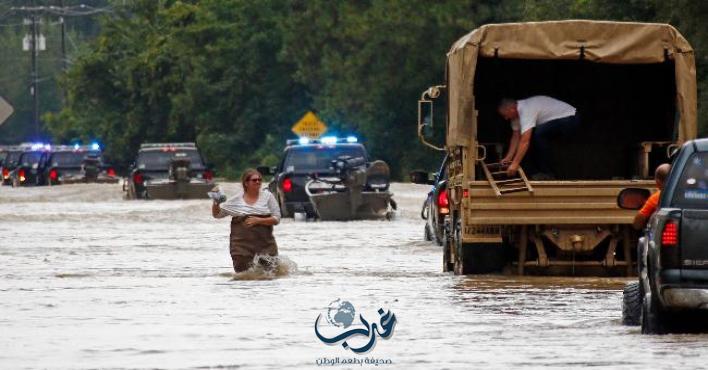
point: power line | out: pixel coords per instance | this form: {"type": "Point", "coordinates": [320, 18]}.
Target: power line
{"type": "Point", "coordinates": [34, 12]}
{"type": "Point", "coordinates": [73, 11]}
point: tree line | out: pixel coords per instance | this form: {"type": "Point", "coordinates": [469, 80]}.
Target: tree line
{"type": "Point", "coordinates": [234, 75]}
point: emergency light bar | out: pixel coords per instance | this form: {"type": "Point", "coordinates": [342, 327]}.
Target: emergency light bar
{"type": "Point", "coordinates": [326, 140]}
{"type": "Point", "coordinates": [75, 148]}
{"type": "Point", "coordinates": [171, 145]}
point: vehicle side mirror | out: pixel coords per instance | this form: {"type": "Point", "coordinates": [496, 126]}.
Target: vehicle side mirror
{"type": "Point", "coordinates": [425, 117]}
{"type": "Point", "coordinates": [422, 177]}
{"type": "Point", "coordinates": [632, 198]}
{"type": "Point", "coordinates": [671, 151]}
{"type": "Point", "coordinates": [265, 170]}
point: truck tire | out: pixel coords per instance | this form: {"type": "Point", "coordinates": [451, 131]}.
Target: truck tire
{"type": "Point", "coordinates": [283, 209]}
{"type": "Point", "coordinates": [632, 304]}
{"type": "Point", "coordinates": [438, 233]}
{"type": "Point", "coordinates": [426, 233]}
{"type": "Point", "coordinates": [652, 318]}
{"type": "Point", "coordinates": [477, 258]}
{"type": "Point", "coordinates": [448, 264]}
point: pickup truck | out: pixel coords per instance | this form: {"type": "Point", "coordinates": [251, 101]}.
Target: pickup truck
{"type": "Point", "coordinates": [672, 289]}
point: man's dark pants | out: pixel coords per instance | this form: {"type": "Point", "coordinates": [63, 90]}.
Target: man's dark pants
{"type": "Point", "coordinates": [544, 137]}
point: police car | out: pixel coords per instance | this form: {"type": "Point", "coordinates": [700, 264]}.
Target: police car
{"type": "Point", "coordinates": [10, 158]}
{"type": "Point", "coordinates": [78, 164]}
{"type": "Point", "coordinates": [302, 160]}
{"type": "Point", "coordinates": [30, 165]}
{"type": "Point", "coordinates": [169, 171]}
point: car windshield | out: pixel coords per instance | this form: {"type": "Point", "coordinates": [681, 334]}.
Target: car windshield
{"type": "Point", "coordinates": [69, 159]}
{"type": "Point", "coordinates": [160, 160]}
{"type": "Point", "coordinates": [692, 189]}
{"type": "Point", "coordinates": [318, 158]}
{"type": "Point", "coordinates": [11, 159]}
{"type": "Point", "coordinates": [30, 158]}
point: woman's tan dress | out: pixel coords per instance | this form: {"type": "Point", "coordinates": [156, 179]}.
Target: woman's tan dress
{"type": "Point", "coordinates": [247, 242]}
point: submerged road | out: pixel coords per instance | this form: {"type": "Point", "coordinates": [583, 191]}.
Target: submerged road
{"type": "Point", "coordinates": [89, 280]}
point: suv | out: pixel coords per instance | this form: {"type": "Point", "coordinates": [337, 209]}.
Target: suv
{"type": "Point", "coordinates": [72, 164]}
{"type": "Point", "coordinates": [302, 160]}
{"type": "Point", "coordinates": [9, 162]}
{"type": "Point", "coordinates": [30, 166]}
{"type": "Point", "coordinates": [169, 171]}
{"type": "Point", "coordinates": [436, 206]}
{"type": "Point", "coordinates": [673, 254]}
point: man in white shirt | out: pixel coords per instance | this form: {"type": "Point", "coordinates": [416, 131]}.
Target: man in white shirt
{"type": "Point", "coordinates": [536, 121]}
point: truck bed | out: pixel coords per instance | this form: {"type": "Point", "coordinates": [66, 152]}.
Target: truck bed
{"type": "Point", "coordinates": [551, 202]}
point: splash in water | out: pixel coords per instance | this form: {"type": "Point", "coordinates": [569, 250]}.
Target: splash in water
{"type": "Point", "coordinates": [267, 268]}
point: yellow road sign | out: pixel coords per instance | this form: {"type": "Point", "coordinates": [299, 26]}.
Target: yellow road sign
{"type": "Point", "coordinates": [5, 110]}
{"type": "Point", "coordinates": [309, 126]}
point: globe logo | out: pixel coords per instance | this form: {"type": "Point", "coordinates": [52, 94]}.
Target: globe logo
{"type": "Point", "coordinates": [340, 313]}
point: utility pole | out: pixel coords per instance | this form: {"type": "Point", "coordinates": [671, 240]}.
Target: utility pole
{"type": "Point", "coordinates": [34, 76]}
{"type": "Point", "coordinates": [63, 37]}
{"type": "Point", "coordinates": [35, 41]}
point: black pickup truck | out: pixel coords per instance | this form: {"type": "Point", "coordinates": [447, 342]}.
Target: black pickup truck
{"type": "Point", "coordinates": [169, 171]}
{"type": "Point", "coordinates": [672, 291]}
{"type": "Point", "coordinates": [301, 159]}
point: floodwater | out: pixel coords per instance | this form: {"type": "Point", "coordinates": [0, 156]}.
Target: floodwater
{"type": "Point", "coordinates": [89, 280]}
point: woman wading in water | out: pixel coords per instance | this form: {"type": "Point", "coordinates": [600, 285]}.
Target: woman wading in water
{"type": "Point", "coordinates": [254, 212]}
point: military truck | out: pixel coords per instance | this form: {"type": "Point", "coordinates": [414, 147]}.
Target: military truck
{"type": "Point", "coordinates": [634, 85]}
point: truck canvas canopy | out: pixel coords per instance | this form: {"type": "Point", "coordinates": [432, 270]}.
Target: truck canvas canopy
{"type": "Point", "coordinates": [631, 82]}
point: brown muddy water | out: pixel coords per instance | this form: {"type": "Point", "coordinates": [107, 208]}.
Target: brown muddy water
{"type": "Point", "coordinates": [89, 280]}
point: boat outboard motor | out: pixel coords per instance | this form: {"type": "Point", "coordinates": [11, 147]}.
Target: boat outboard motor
{"type": "Point", "coordinates": [179, 169]}
{"type": "Point", "coordinates": [351, 170]}
{"type": "Point", "coordinates": [91, 166]}
{"type": "Point", "coordinates": [378, 176]}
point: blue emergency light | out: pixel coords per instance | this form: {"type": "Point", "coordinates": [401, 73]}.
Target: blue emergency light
{"type": "Point", "coordinates": [329, 140]}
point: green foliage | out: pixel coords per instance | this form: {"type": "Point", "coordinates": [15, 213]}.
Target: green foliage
{"type": "Point", "coordinates": [234, 75]}
{"type": "Point", "coordinates": [175, 71]}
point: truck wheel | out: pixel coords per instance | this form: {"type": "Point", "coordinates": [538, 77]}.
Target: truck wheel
{"type": "Point", "coordinates": [426, 233]}
{"type": "Point", "coordinates": [438, 233]}
{"type": "Point", "coordinates": [652, 317]}
{"type": "Point", "coordinates": [284, 210]}
{"type": "Point", "coordinates": [448, 264]}
{"type": "Point", "coordinates": [477, 258]}
{"type": "Point", "coordinates": [632, 304]}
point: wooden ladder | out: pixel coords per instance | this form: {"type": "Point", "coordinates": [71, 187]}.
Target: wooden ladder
{"type": "Point", "coordinates": [503, 184]}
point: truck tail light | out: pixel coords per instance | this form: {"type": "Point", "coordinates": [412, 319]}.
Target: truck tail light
{"type": "Point", "coordinates": [111, 172]}
{"type": "Point", "coordinates": [208, 175]}
{"type": "Point", "coordinates": [21, 175]}
{"type": "Point", "coordinates": [287, 185]}
{"type": "Point", "coordinates": [138, 178]}
{"type": "Point", "coordinates": [53, 174]}
{"type": "Point", "coordinates": [443, 202]}
{"type": "Point", "coordinates": [669, 236]}
{"type": "Point", "coordinates": [5, 173]}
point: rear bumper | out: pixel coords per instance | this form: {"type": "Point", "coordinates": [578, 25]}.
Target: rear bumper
{"type": "Point", "coordinates": [297, 207]}
{"type": "Point", "coordinates": [81, 180]}
{"type": "Point", "coordinates": [686, 298]}
{"type": "Point", "coordinates": [684, 288]}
